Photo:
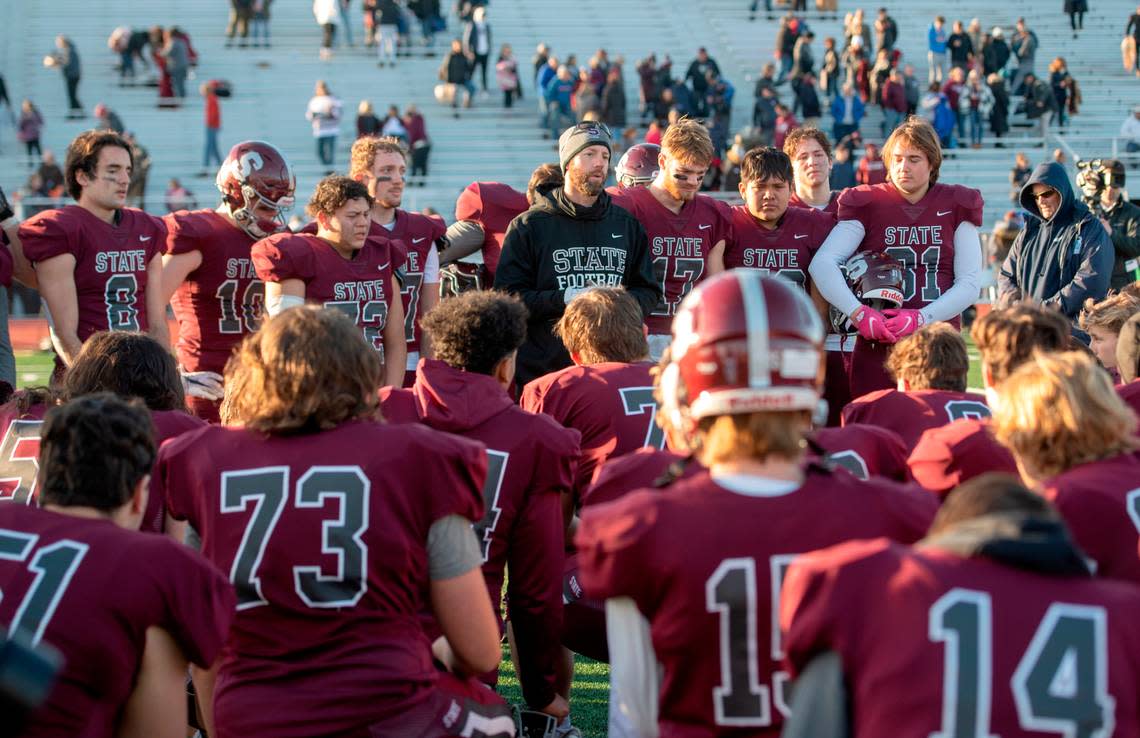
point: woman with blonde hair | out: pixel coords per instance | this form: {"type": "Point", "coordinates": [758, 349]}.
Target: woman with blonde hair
{"type": "Point", "coordinates": [367, 123]}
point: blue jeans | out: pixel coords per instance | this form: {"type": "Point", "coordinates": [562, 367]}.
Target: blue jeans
{"type": "Point", "coordinates": [891, 120]}
{"type": "Point", "coordinates": [259, 29]}
{"type": "Point", "coordinates": [326, 147]}
{"type": "Point", "coordinates": [785, 68]}
{"type": "Point", "coordinates": [211, 153]}
{"type": "Point", "coordinates": [976, 122]}
{"type": "Point", "coordinates": [346, 24]}
{"type": "Point", "coordinates": [558, 119]}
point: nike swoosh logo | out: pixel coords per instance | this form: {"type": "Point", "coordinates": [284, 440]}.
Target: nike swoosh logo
{"type": "Point", "coordinates": [944, 212]}
{"type": "Point", "coordinates": [144, 238]}
{"type": "Point", "coordinates": [800, 235]}
{"type": "Point", "coordinates": [704, 227]}
{"type": "Point", "coordinates": [417, 240]}
{"type": "Point", "coordinates": [383, 266]}
{"type": "Point", "coordinates": [615, 235]}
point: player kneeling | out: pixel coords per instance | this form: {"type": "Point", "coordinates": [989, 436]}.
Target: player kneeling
{"type": "Point", "coordinates": [337, 531]}
{"type": "Point", "coordinates": [703, 560]}
{"type": "Point", "coordinates": [993, 626]}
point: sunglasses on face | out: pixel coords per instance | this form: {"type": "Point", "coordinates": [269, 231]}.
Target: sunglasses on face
{"type": "Point", "coordinates": [1045, 195]}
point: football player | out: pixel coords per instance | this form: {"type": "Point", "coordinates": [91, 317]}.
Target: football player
{"type": "Point", "coordinates": [94, 260]}
{"type": "Point", "coordinates": [930, 227]}
{"type": "Point", "coordinates": [749, 348]}
{"type": "Point", "coordinates": [685, 229]}
{"type": "Point", "coordinates": [126, 611]}
{"type": "Point", "coordinates": [810, 152]}
{"type": "Point", "coordinates": [608, 394]}
{"type": "Point", "coordinates": [992, 626]}
{"type": "Point", "coordinates": [1074, 441]}
{"type": "Point", "coordinates": [337, 530]}
{"type": "Point", "coordinates": [1102, 320]}
{"type": "Point", "coordinates": [950, 454]}
{"type": "Point", "coordinates": [1128, 362]}
{"type": "Point", "coordinates": [207, 275]}
{"type": "Point", "coordinates": [339, 267]}
{"type": "Point", "coordinates": [531, 462]}
{"type": "Point", "coordinates": [930, 368]}
{"type": "Point", "coordinates": [380, 164]}
{"type": "Point", "coordinates": [639, 166]}
{"type": "Point", "coordinates": [864, 450]}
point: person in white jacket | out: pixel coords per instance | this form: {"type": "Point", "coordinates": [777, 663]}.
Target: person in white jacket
{"type": "Point", "coordinates": [1130, 131]}
{"type": "Point", "coordinates": [327, 13]}
{"type": "Point", "coordinates": [325, 111]}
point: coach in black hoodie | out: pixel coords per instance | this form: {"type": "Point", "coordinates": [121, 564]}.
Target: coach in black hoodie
{"type": "Point", "coordinates": [571, 239]}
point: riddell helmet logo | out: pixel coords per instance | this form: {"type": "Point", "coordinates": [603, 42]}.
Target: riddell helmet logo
{"type": "Point", "coordinates": [247, 164]}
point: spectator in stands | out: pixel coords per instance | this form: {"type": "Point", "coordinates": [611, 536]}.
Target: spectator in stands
{"type": "Point", "coordinates": [893, 97]}
{"type": "Point", "coordinates": [418, 141]}
{"type": "Point", "coordinates": [953, 89]}
{"type": "Point", "coordinates": [855, 26]}
{"type": "Point", "coordinates": [935, 107]}
{"type": "Point", "coordinates": [29, 128]}
{"type": "Point", "coordinates": [879, 74]}
{"type": "Point", "coordinates": [999, 115]}
{"type": "Point", "coordinates": [51, 173]}
{"type": "Point", "coordinates": [976, 102]}
{"type": "Point", "coordinates": [653, 133]}
{"type": "Point", "coordinates": [324, 113]}
{"type": "Point", "coordinates": [477, 43]}
{"type": "Point", "coordinates": [803, 58]}
{"type": "Point", "coordinates": [613, 100]}
{"type": "Point", "coordinates": [1064, 256]}
{"type": "Point", "coordinates": [974, 31]}
{"type": "Point", "coordinates": [177, 56]}
{"type": "Point", "coordinates": [367, 124]}
{"type": "Point", "coordinates": [107, 118]}
{"type": "Point", "coordinates": [806, 102]}
{"type": "Point", "coordinates": [1130, 129]}
{"type": "Point", "coordinates": [507, 75]}
{"type": "Point", "coordinates": [872, 169]}
{"type": "Point", "coordinates": [66, 58]}
{"type": "Point", "coordinates": [937, 40]}
{"type": "Point", "coordinates": [1040, 103]}
{"type": "Point", "coordinates": [178, 197]}
{"type": "Point", "coordinates": [345, 22]}
{"type": "Point", "coordinates": [211, 156]}
{"type": "Point", "coordinates": [129, 43]}
{"type": "Point", "coordinates": [388, 23]}
{"type": "Point", "coordinates": [910, 86]}
{"type": "Point", "coordinates": [842, 169]}
{"type": "Point", "coordinates": [1025, 49]}
{"type": "Point", "coordinates": [767, 78]}
{"type": "Point", "coordinates": [647, 85]}
{"type": "Point", "coordinates": [786, 37]}
{"type": "Point", "coordinates": [697, 76]}
{"type": "Point", "coordinates": [393, 125]}
{"type": "Point", "coordinates": [785, 123]}
{"type": "Point", "coordinates": [585, 101]}
{"type": "Point", "coordinates": [1133, 30]}
{"type": "Point", "coordinates": [1062, 84]}
{"type": "Point", "coordinates": [858, 68]}
{"type": "Point", "coordinates": [240, 13]}
{"type": "Point", "coordinates": [327, 13]}
{"type": "Point", "coordinates": [1018, 177]}
{"type": "Point", "coordinates": [1076, 10]}
{"type": "Point", "coordinates": [558, 93]}
{"type": "Point", "coordinates": [829, 70]}
{"type": "Point", "coordinates": [141, 162]}
{"type": "Point", "coordinates": [259, 23]}
{"type": "Point", "coordinates": [995, 52]}
{"type": "Point", "coordinates": [960, 46]}
{"type": "Point", "coordinates": [847, 109]}
{"type": "Point", "coordinates": [886, 31]}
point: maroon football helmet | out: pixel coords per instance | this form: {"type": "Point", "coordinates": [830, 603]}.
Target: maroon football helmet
{"type": "Point", "coordinates": [638, 165]}
{"type": "Point", "coordinates": [876, 280]}
{"type": "Point", "coordinates": [744, 342]}
{"type": "Point", "coordinates": [257, 173]}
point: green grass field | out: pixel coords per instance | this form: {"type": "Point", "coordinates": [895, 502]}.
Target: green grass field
{"type": "Point", "coordinates": [33, 368]}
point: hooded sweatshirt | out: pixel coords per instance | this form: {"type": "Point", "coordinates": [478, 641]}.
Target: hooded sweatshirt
{"type": "Point", "coordinates": [531, 463]}
{"type": "Point", "coordinates": [1061, 261]}
{"type": "Point", "coordinates": [557, 245]}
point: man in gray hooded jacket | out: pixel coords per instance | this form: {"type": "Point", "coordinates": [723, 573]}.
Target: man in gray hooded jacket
{"type": "Point", "coordinates": [1063, 256]}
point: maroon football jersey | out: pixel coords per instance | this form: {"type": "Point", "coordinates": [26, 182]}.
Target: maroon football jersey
{"type": "Point", "coordinates": [832, 208]}
{"type": "Point", "coordinates": [493, 205]}
{"type": "Point", "coordinates": [221, 301]}
{"type": "Point", "coordinates": [20, 450]}
{"type": "Point", "coordinates": [864, 450]}
{"type": "Point", "coordinates": [530, 464]}
{"type": "Point", "coordinates": [785, 251]}
{"type": "Point", "coordinates": [1100, 502]}
{"type": "Point", "coordinates": [638, 469]}
{"type": "Point", "coordinates": [934, 644]}
{"type": "Point", "coordinates": [610, 404]}
{"type": "Point", "coordinates": [361, 287]}
{"type": "Point", "coordinates": [1130, 393]}
{"type": "Point", "coordinates": [951, 454]}
{"type": "Point", "coordinates": [696, 564]}
{"type": "Point", "coordinates": [919, 236]}
{"type": "Point", "coordinates": [110, 262]}
{"type": "Point", "coordinates": [418, 233]}
{"type": "Point", "coordinates": [324, 537]}
{"type": "Point", "coordinates": [911, 413]}
{"type": "Point", "coordinates": [168, 424]}
{"type": "Point", "coordinates": [91, 589]}
{"type": "Point", "coordinates": [679, 244]}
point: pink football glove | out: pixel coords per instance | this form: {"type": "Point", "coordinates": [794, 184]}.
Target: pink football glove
{"type": "Point", "coordinates": [902, 322]}
{"type": "Point", "coordinates": [872, 325]}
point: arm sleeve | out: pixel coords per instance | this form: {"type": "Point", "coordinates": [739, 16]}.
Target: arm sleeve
{"type": "Point", "coordinates": [1009, 291]}
{"type": "Point", "coordinates": [1092, 278]}
{"type": "Point", "coordinates": [452, 548]}
{"type": "Point", "coordinates": [200, 600]}
{"type": "Point", "coordinates": [274, 262]}
{"type": "Point", "coordinates": [464, 237]}
{"type": "Point", "coordinates": [825, 271]}
{"type": "Point", "coordinates": [634, 680]}
{"type": "Point", "coordinates": [518, 274]}
{"type": "Point", "coordinates": [967, 276]}
{"type": "Point", "coordinates": [45, 236]}
{"type": "Point", "coordinates": [639, 279]}
{"type": "Point", "coordinates": [1126, 235]}
{"type": "Point", "coordinates": [431, 267]}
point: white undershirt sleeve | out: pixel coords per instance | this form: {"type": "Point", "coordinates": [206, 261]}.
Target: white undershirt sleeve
{"type": "Point", "coordinates": [431, 266]}
{"type": "Point", "coordinates": [634, 677]}
{"type": "Point", "coordinates": [967, 276]}
{"type": "Point", "coordinates": [825, 270]}
{"type": "Point", "coordinates": [276, 305]}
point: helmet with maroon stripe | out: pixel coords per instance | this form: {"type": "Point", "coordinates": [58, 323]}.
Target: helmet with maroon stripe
{"type": "Point", "coordinates": [876, 280]}
{"type": "Point", "coordinates": [746, 342]}
{"type": "Point", "coordinates": [638, 166]}
{"type": "Point", "coordinates": [257, 173]}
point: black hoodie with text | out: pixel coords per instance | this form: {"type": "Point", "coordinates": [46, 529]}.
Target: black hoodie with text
{"type": "Point", "coordinates": [558, 244]}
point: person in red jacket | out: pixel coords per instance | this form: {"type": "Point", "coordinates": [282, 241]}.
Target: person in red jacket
{"type": "Point", "coordinates": [211, 155]}
{"type": "Point", "coordinates": [872, 170]}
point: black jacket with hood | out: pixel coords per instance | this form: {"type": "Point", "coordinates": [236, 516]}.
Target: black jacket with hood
{"type": "Point", "coordinates": [1061, 261]}
{"type": "Point", "coordinates": [558, 244]}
